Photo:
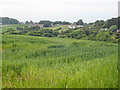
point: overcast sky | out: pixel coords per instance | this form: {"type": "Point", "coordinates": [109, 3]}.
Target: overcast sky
{"type": "Point", "coordinates": [68, 10]}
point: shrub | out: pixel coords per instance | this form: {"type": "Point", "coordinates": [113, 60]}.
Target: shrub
{"type": "Point", "coordinates": [47, 35]}
{"type": "Point", "coordinates": [61, 36]}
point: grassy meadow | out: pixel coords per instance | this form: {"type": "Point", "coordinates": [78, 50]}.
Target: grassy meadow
{"type": "Point", "coordinates": [43, 62]}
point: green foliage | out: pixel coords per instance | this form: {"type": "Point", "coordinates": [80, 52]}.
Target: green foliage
{"type": "Point", "coordinates": [61, 36]}
{"type": "Point", "coordinates": [103, 36]}
{"type": "Point", "coordinates": [18, 32]}
{"type": "Point", "coordinates": [40, 62]}
{"type": "Point", "coordinates": [6, 20]}
{"type": "Point", "coordinates": [61, 23]}
{"type": "Point", "coordinates": [27, 22]}
{"type": "Point", "coordinates": [34, 28]}
{"type": "Point", "coordinates": [47, 35]}
{"type": "Point", "coordinates": [58, 28]}
{"type": "Point", "coordinates": [46, 23]}
{"type": "Point", "coordinates": [31, 22]}
{"type": "Point", "coordinates": [113, 28]}
{"type": "Point", "coordinates": [66, 32]}
{"type": "Point", "coordinates": [110, 22]}
{"type": "Point", "coordinates": [99, 23]}
{"type": "Point", "coordinates": [113, 39]}
{"type": "Point", "coordinates": [94, 31]}
{"type": "Point", "coordinates": [78, 34]}
{"type": "Point", "coordinates": [43, 33]}
{"type": "Point", "coordinates": [80, 22]}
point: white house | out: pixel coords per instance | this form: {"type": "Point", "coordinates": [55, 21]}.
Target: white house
{"type": "Point", "coordinates": [73, 26]}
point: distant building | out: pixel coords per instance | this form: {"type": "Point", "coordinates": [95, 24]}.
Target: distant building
{"type": "Point", "coordinates": [52, 25]}
{"type": "Point", "coordinates": [41, 25]}
{"type": "Point", "coordinates": [118, 31]}
{"type": "Point", "coordinates": [57, 24]}
{"type": "Point", "coordinates": [106, 29]}
{"type": "Point", "coordinates": [73, 26]}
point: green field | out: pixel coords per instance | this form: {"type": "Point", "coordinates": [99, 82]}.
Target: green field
{"type": "Point", "coordinates": [41, 62]}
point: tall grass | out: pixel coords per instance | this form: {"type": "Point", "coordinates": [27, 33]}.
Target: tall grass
{"type": "Point", "coordinates": [39, 62]}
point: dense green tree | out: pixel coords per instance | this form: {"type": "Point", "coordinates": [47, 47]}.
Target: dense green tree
{"type": "Point", "coordinates": [77, 34]}
{"type": "Point", "coordinates": [110, 22]}
{"type": "Point", "coordinates": [27, 22]}
{"type": "Point", "coordinates": [103, 36]}
{"type": "Point", "coordinates": [6, 20]}
{"type": "Point", "coordinates": [61, 36]}
{"type": "Point", "coordinates": [99, 23]}
{"type": "Point", "coordinates": [65, 23]}
{"type": "Point", "coordinates": [61, 23]}
{"type": "Point", "coordinates": [31, 22]}
{"type": "Point", "coordinates": [46, 23]}
{"type": "Point", "coordinates": [80, 22]}
{"type": "Point", "coordinates": [113, 28]}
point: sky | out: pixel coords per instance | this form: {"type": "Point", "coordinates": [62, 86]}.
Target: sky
{"type": "Point", "coordinates": [59, 10]}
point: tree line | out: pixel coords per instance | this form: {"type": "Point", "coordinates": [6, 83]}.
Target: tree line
{"type": "Point", "coordinates": [105, 24]}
